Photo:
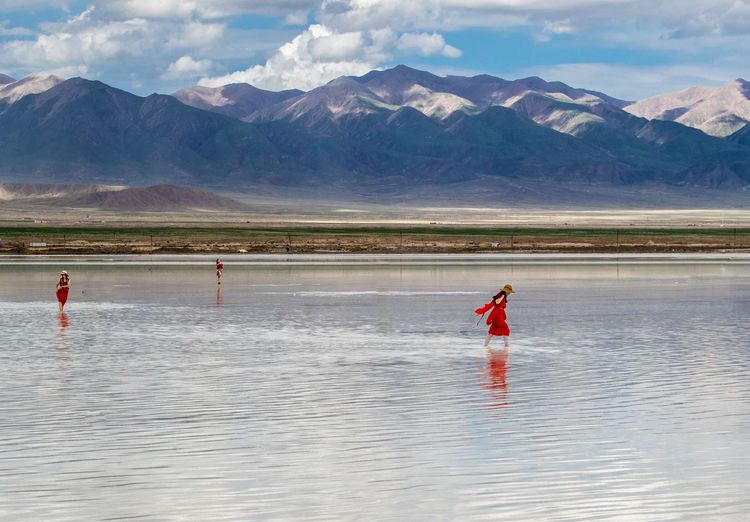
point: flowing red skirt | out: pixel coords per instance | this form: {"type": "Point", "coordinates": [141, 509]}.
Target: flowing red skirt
{"type": "Point", "coordinates": [497, 323]}
{"type": "Point", "coordinates": [500, 328]}
{"type": "Point", "coordinates": [62, 295]}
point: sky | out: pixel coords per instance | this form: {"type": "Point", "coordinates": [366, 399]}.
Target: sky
{"type": "Point", "coordinates": [630, 49]}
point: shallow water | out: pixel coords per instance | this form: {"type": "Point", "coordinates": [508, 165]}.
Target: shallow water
{"type": "Point", "coordinates": [358, 388]}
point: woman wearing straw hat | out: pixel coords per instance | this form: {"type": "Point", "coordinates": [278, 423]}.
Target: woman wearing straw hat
{"type": "Point", "coordinates": [497, 318]}
{"type": "Point", "coordinates": [219, 270]}
{"type": "Point", "coordinates": [62, 288]}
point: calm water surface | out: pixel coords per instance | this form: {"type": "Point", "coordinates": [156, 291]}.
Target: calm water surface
{"type": "Point", "coordinates": [321, 390]}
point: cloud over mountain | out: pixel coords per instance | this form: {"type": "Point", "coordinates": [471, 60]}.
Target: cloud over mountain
{"type": "Point", "coordinates": [320, 54]}
{"type": "Point", "coordinates": [187, 67]}
{"type": "Point", "coordinates": [631, 48]}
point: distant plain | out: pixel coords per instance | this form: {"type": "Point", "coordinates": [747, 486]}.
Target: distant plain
{"type": "Point", "coordinates": [278, 226]}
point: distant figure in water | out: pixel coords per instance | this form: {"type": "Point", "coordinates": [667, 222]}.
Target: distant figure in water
{"type": "Point", "coordinates": [219, 270]}
{"type": "Point", "coordinates": [62, 289]}
{"type": "Point", "coordinates": [497, 318]}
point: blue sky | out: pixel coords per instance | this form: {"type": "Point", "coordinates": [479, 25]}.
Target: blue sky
{"type": "Point", "coordinates": [630, 49]}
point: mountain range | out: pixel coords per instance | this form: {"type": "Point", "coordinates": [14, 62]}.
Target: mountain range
{"type": "Point", "coordinates": [386, 136]}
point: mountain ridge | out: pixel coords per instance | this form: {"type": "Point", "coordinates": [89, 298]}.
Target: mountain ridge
{"type": "Point", "coordinates": [381, 136]}
{"type": "Point", "coordinates": [238, 100]}
{"type": "Point", "coordinates": [718, 111]}
{"type": "Point", "coordinates": [13, 91]}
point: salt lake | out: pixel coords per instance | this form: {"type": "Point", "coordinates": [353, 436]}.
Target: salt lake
{"type": "Point", "coordinates": [357, 388]}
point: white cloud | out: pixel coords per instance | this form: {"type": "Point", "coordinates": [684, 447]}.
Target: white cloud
{"type": "Point", "coordinates": [117, 45]}
{"type": "Point", "coordinates": [320, 54]}
{"type": "Point", "coordinates": [5, 30]}
{"type": "Point", "coordinates": [205, 9]}
{"type": "Point", "coordinates": [334, 47]}
{"type": "Point", "coordinates": [154, 8]}
{"type": "Point", "coordinates": [296, 18]}
{"type": "Point", "coordinates": [76, 45]}
{"type": "Point", "coordinates": [426, 45]}
{"type": "Point", "coordinates": [674, 18]}
{"type": "Point", "coordinates": [187, 67]}
{"type": "Point", "coordinates": [138, 40]}
{"type": "Point", "coordinates": [13, 5]}
{"type": "Point", "coordinates": [631, 82]}
{"type": "Point", "coordinates": [298, 64]}
{"type": "Point", "coordinates": [398, 15]}
{"type": "Point", "coordinates": [197, 34]}
{"type": "Point", "coordinates": [66, 71]}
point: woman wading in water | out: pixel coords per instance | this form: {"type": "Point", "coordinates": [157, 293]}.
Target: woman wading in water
{"type": "Point", "coordinates": [62, 289]}
{"type": "Point", "coordinates": [219, 270]}
{"type": "Point", "coordinates": [497, 318]}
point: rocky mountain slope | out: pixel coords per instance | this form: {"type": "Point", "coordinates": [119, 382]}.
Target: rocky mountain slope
{"type": "Point", "coordinates": [380, 136]}
{"type": "Point", "coordinates": [238, 100]}
{"type": "Point", "coordinates": [718, 111]}
{"type": "Point", "coordinates": [12, 91]}
{"type": "Point", "coordinates": [86, 131]}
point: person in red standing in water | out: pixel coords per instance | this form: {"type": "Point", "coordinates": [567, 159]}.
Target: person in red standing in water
{"type": "Point", "coordinates": [497, 318]}
{"type": "Point", "coordinates": [219, 270]}
{"type": "Point", "coordinates": [62, 289]}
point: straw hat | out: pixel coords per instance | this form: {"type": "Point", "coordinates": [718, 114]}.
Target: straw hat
{"type": "Point", "coordinates": [508, 289]}
{"type": "Point", "coordinates": [63, 273]}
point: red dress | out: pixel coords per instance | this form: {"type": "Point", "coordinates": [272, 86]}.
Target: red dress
{"type": "Point", "coordinates": [496, 320]}
{"type": "Point", "coordinates": [62, 295]}
{"type": "Point", "coordinates": [497, 317]}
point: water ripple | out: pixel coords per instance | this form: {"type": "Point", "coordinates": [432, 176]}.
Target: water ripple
{"type": "Point", "coordinates": [358, 393]}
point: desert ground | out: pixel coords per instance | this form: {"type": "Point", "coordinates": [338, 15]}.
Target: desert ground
{"type": "Point", "coordinates": [293, 227]}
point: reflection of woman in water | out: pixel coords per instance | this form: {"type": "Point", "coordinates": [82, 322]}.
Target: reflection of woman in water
{"type": "Point", "coordinates": [62, 288]}
{"type": "Point", "coordinates": [497, 318]}
{"type": "Point", "coordinates": [63, 330]}
{"type": "Point", "coordinates": [497, 368]}
{"type": "Point", "coordinates": [219, 270]}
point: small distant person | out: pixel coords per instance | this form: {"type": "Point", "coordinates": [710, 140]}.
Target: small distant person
{"type": "Point", "coordinates": [219, 270]}
{"type": "Point", "coordinates": [497, 318]}
{"type": "Point", "coordinates": [62, 289]}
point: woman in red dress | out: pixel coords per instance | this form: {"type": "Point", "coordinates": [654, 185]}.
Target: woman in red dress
{"type": "Point", "coordinates": [497, 318]}
{"type": "Point", "coordinates": [62, 289]}
{"type": "Point", "coordinates": [219, 270]}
